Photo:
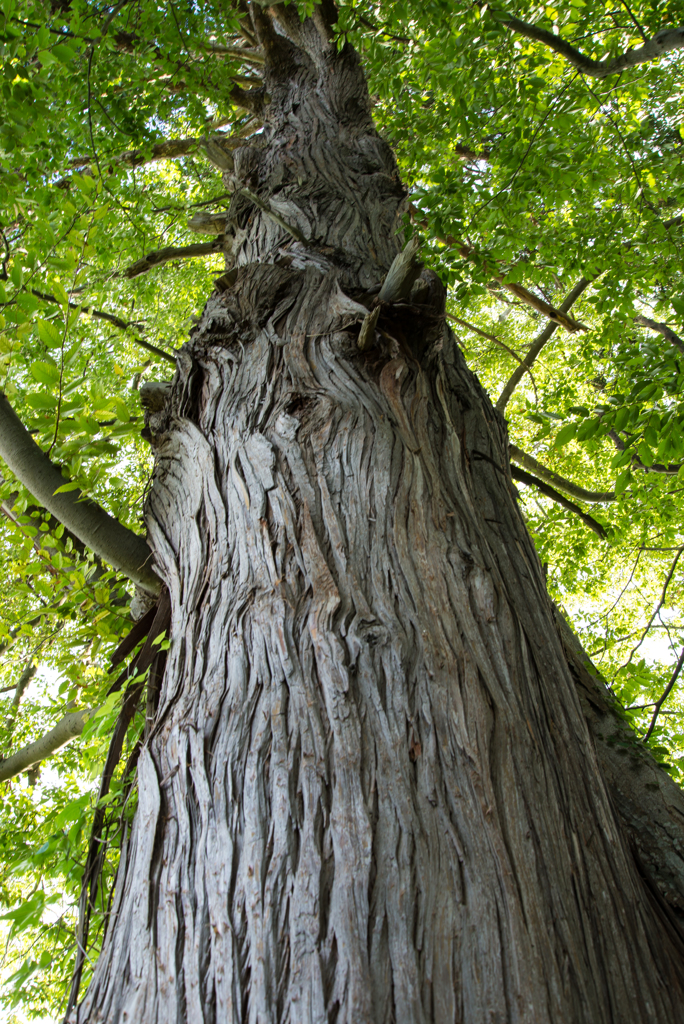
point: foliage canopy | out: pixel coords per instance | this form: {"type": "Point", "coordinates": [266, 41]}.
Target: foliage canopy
{"type": "Point", "coordinates": [532, 167]}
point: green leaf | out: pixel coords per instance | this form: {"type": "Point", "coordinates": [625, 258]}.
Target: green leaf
{"type": "Point", "coordinates": [566, 434]}
{"type": "Point", "coordinates": [588, 429]}
{"type": "Point", "coordinates": [41, 400]}
{"type": "Point", "coordinates": [645, 454]}
{"type": "Point", "coordinates": [623, 479]}
{"type": "Point", "coordinates": [45, 373]}
{"type": "Point", "coordinates": [70, 486]}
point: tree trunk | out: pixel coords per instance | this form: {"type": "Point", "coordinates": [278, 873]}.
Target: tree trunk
{"type": "Point", "coordinates": [370, 793]}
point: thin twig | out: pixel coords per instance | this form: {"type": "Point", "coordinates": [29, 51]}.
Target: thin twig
{"type": "Point", "coordinates": [660, 604]}
{"type": "Point", "coordinates": [665, 695]}
{"type": "Point", "coordinates": [110, 318]}
{"type": "Point", "coordinates": [538, 344]}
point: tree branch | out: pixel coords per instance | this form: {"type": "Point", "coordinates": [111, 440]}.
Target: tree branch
{"type": "Point", "coordinates": [537, 345]}
{"type": "Point", "coordinates": [663, 329]}
{"type": "Point", "coordinates": [123, 325]}
{"type": "Point", "coordinates": [468, 155]}
{"type": "Point", "coordinates": [106, 536]}
{"type": "Point", "coordinates": [533, 481]}
{"type": "Point", "coordinates": [245, 54]}
{"type": "Point", "coordinates": [484, 334]}
{"type": "Point", "coordinates": [665, 694]}
{"type": "Point", "coordinates": [558, 316]}
{"type": "Point", "coordinates": [161, 256]}
{"type": "Point", "coordinates": [528, 462]}
{"type": "Point", "coordinates": [661, 602]}
{"type": "Point", "coordinates": [664, 41]}
{"type": "Point", "coordinates": [672, 468]}
{"type": "Point", "coordinates": [66, 729]}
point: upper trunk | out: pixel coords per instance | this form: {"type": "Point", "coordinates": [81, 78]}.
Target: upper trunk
{"type": "Point", "coordinates": [369, 793]}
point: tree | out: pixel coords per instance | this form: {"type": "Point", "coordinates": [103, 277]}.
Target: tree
{"type": "Point", "coordinates": [378, 777]}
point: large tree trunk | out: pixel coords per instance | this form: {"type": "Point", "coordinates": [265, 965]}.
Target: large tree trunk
{"type": "Point", "coordinates": [370, 792]}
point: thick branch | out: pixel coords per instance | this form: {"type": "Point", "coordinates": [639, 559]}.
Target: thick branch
{"type": "Point", "coordinates": [106, 536]}
{"type": "Point", "coordinates": [537, 345]}
{"type": "Point", "coordinates": [533, 481]}
{"type": "Point", "coordinates": [664, 41]}
{"type": "Point", "coordinates": [66, 729]}
{"type": "Point", "coordinates": [247, 55]}
{"type": "Point", "coordinates": [528, 462]}
{"type": "Point", "coordinates": [663, 329]}
{"type": "Point", "coordinates": [172, 252]}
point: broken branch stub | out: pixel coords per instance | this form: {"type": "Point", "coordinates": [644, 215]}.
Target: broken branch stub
{"type": "Point", "coordinates": [367, 332]}
{"type": "Point", "coordinates": [403, 272]}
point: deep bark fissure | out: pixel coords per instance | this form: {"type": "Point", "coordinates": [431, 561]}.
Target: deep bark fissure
{"type": "Point", "coordinates": [369, 792]}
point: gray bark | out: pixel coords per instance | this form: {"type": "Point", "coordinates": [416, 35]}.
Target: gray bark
{"type": "Point", "coordinates": [370, 792]}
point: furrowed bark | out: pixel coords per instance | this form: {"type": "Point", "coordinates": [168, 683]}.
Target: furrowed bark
{"type": "Point", "coordinates": [369, 792]}
{"type": "Point", "coordinates": [108, 538]}
{"type": "Point", "coordinates": [649, 803]}
{"type": "Point", "coordinates": [66, 729]}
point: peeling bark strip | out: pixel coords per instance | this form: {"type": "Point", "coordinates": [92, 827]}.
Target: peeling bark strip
{"type": "Point", "coordinates": [369, 793]}
{"type": "Point", "coordinates": [116, 544]}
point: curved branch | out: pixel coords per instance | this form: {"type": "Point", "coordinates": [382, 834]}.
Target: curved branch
{"type": "Point", "coordinates": [172, 252]}
{"type": "Point", "coordinates": [66, 729]}
{"type": "Point", "coordinates": [533, 481]}
{"type": "Point", "coordinates": [664, 41]}
{"type": "Point", "coordinates": [528, 462]}
{"type": "Point", "coordinates": [106, 536]}
{"type": "Point", "coordinates": [537, 345]}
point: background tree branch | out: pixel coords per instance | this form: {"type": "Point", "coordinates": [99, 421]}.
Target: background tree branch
{"type": "Point", "coordinates": [106, 536]}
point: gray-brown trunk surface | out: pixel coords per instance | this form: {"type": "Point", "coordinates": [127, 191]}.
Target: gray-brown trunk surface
{"type": "Point", "coordinates": [370, 793]}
